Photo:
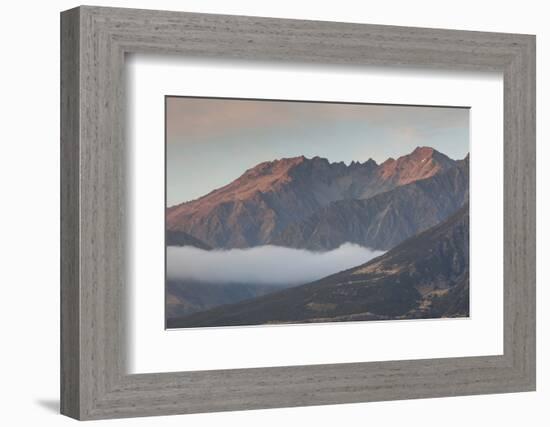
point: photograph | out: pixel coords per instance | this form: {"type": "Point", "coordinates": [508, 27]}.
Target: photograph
{"type": "Point", "coordinates": [294, 211]}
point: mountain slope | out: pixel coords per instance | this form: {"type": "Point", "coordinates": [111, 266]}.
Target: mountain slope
{"type": "Point", "coordinates": [382, 221]}
{"type": "Point", "coordinates": [184, 297]}
{"type": "Point", "coordinates": [425, 276]}
{"type": "Point", "coordinates": [181, 238]}
{"type": "Point", "coordinates": [254, 208]}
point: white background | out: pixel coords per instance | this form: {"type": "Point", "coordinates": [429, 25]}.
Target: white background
{"type": "Point", "coordinates": [152, 349]}
{"type": "Point", "coordinates": [29, 174]}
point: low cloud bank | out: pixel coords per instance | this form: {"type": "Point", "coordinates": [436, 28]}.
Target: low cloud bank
{"type": "Point", "coordinates": [273, 265]}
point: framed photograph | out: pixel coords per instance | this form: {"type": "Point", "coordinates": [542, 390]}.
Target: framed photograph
{"type": "Point", "coordinates": [262, 213]}
{"type": "Point", "coordinates": [315, 230]}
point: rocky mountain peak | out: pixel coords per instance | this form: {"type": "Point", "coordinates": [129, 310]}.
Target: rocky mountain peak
{"type": "Point", "coordinates": [423, 152]}
{"type": "Point", "coordinates": [422, 163]}
{"type": "Point", "coordinates": [278, 166]}
{"type": "Point", "coordinates": [370, 163]}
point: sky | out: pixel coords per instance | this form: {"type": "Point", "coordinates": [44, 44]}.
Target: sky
{"type": "Point", "coordinates": [210, 141]}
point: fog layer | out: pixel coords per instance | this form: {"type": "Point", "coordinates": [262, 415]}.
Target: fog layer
{"type": "Point", "coordinates": [273, 265]}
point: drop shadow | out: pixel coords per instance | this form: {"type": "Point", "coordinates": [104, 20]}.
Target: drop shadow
{"type": "Point", "coordinates": [52, 405]}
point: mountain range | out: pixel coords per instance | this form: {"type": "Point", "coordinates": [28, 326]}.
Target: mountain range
{"type": "Point", "coordinates": [315, 204]}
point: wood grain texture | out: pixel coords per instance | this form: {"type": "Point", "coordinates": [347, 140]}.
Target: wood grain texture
{"type": "Point", "coordinates": [94, 271]}
{"type": "Point", "coordinates": [70, 314]}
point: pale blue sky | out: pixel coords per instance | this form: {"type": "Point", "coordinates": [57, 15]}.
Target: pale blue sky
{"type": "Point", "coordinates": [211, 142]}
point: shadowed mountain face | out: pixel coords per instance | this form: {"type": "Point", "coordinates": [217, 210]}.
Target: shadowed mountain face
{"type": "Point", "coordinates": [425, 276]}
{"type": "Point", "coordinates": [385, 220]}
{"type": "Point", "coordinates": [184, 297]}
{"type": "Point", "coordinates": [181, 238]}
{"type": "Point", "coordinates": [258, 207]}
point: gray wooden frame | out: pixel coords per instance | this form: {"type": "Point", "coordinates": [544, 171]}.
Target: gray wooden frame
{"type": "Point", "coordinates": [94, 41]}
